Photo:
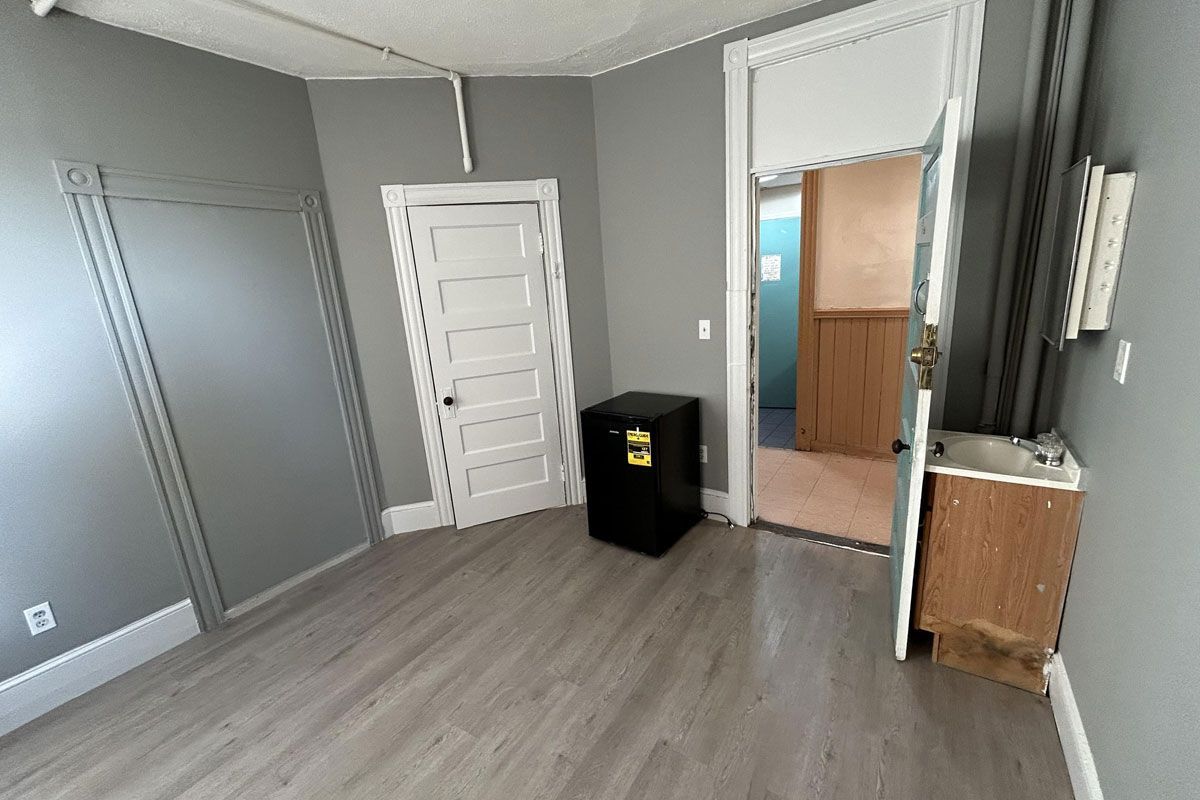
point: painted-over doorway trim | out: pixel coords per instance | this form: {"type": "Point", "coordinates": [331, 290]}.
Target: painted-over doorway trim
{"type": "Point", "coordinates": [740, 59]}
{"type": "Point", "coordinates": [87, 187]}
{"type": "Point", "coordinates": [544, 191]}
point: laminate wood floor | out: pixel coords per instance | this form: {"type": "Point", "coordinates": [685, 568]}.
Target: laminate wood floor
{"type": "Point", "coordinates": [524, 660]}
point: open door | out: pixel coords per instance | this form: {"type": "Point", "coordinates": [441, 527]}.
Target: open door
{"type": "Point", "coordinates": [929, 269]}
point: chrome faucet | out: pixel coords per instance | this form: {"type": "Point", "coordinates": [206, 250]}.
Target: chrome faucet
{"type": "Point", "coordinates": [1047, 448]}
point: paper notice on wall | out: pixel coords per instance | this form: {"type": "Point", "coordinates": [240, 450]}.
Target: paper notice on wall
{"type": "Point", "coordinates": [772, 266]}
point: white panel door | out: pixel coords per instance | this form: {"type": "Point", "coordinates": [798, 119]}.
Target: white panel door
{"type": "Point", "coordinates": [929, 297]}
{"type": "Point", "coordinates": [483, 295]}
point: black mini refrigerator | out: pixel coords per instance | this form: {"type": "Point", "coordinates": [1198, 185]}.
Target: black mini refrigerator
{"type": "Point", "coordinates": [641, 457]}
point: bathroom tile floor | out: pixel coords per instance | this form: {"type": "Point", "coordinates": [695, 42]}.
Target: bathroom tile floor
{"type": "Point", "coordinates": [777, 428]}
{"type": "Point", "coordinates": [827, 493]}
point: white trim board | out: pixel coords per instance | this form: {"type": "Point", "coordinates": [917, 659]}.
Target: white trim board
{"type": "Point", "coordinates": [959, 76]}
{"type": "Point", "coordinates": [1084, 781]}
{"type": "Point", "coordinates": [409, 518]}
{"type": "Point", "coordinates": [37, 690]}
{"type": "Point", "coordinates": [254, 601]}
{"type": "Point", "coordinates": [714, 501]}
{"type": "Point", "coordinates": [543, 191]}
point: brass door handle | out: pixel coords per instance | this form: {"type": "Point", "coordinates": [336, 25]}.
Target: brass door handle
{"type": "Point", "coordinates": [924, 356]}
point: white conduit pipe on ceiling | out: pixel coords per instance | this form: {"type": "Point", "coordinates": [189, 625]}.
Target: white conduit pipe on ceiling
{"type": "Point", "coordinates": [387, 54]}
{"type": "Point", "coordinates": [43, 7]}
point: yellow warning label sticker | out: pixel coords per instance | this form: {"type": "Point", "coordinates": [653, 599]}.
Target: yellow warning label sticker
{"type": "Point", "coordinates": [637, 443]}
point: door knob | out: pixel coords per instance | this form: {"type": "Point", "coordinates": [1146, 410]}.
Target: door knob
{"type": "Point", "coordinates": [899, 447]}
{"type": "Point", "coordinates": [924, 356]}
{"type": "Point", "coordinates": [448, 400]}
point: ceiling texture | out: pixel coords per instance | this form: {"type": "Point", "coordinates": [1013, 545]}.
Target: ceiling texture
{"type": "Point", "coordinates": [474, 37]}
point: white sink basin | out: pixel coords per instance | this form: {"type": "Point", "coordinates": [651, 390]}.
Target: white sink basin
{"type": "Point", "coordinates": [996, 458]}
{"type": "Point", "coordinates": [988, 454]}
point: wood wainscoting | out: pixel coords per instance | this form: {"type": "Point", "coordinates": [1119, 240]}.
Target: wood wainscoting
{"type": "Point", "coordinates": [855, 378]}
{"type": "Point", "coordinates": [850, 361]}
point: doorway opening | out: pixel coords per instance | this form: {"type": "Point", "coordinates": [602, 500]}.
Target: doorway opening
{"type": "Point", "coordinates": [835, 263]}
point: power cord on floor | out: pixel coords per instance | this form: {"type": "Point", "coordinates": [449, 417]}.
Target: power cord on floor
{"type": "Point", "coordinates": [728, 521]}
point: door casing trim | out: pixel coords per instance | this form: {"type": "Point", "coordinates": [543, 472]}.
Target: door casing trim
{"type": "Point", "coordinates": [741, 58]}
{"type": "Point", "coordinates": [544, 191]}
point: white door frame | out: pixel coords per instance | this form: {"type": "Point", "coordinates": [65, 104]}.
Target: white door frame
{"type": "Point", "coordinates": [543, 191]}
{"type": "Point", "coordinates": [741, 58]}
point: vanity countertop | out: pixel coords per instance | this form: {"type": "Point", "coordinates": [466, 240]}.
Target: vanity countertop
{"type": "Point", "coordinates": [995, 458]}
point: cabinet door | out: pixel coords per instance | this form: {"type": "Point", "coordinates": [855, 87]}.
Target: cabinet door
{"type": "Point", "coordinates": [998, 562]}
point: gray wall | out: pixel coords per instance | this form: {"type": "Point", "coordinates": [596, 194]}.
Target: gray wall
{"type": "Point", "coordinates": [660, 143]}
{"type": "Point", "coordinates": [79, 522]}
{"type": "Point", "coordinates": [1129, 633]}
{"type": "Point", "coordinates": [405, 131]}
{"type": "Point", "coordinates": [228, 300]}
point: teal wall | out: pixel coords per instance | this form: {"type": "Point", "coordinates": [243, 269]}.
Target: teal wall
{"type": "Point", "coordinates": [779, 314]}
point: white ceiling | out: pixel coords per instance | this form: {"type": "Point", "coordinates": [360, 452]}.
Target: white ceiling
{"type": "Point", "coordinates": [475, 37]}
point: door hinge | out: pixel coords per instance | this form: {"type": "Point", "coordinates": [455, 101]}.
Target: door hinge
{"type": "Point", "coordinates": [925, 356]}
{"type": "Point", "coordinates": [541, 244]}
{"type": "Point", "coordinates": [562, 471]}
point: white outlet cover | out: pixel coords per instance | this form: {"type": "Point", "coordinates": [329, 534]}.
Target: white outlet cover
{"type": "Point", "coordinates": [703, 454]}
{"type": "Point", "coordinates": [1122, 365]}
{"type": "Point", "coordinates": [40, 619]}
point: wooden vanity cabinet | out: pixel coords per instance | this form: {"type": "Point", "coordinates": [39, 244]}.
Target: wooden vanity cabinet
{"type": "Point", "coordinates": [995, 562]}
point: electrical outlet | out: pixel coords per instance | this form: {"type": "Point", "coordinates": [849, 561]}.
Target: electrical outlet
{"type": "Point", "coordinates": [1122, 362]}
{"type": "Point", "coordinates": [40, 619]}
{"type": "Point", "coordinates": [703, 454]}
{"type": "Point", "coordinates": [705, 329]}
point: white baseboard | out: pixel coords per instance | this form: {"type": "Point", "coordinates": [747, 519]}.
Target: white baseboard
{"type": "Point", "coordinates": [1082, 768]}
{"type": "Point", "coordinates": [412, 517]}
{"type": "Point", "coordinates": [280, 588]}
{"type": "Point", "coordinates": [714, 501]}
{"type": "Point", "coordinates": [50, 684]}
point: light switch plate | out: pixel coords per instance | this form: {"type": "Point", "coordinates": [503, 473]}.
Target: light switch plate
{"type": "Point", "coordinates": [1122, 362]}
{"type": "Point", "coordinates": [703, 454]}
{"type": "Point", "coordinates": [705, 329]}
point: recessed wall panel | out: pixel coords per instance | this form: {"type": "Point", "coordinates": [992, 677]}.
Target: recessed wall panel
{"type": "Point", "coordinates": [492, 341]}
{"type": "Point", "coordinates": [493, 434]}
{"type": "Point", "coordinates": [493, 293]}
{"type": "Point", "coordinates": [505, 475]}
{"type": "Point", "coordinates": [475, 242]}
{"type": "Point", "coordinates": [874, 95]}
{"type": "Point", "coordinates": [489, 390]}
{"type": "Point", "coordinates": [230, 310]}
